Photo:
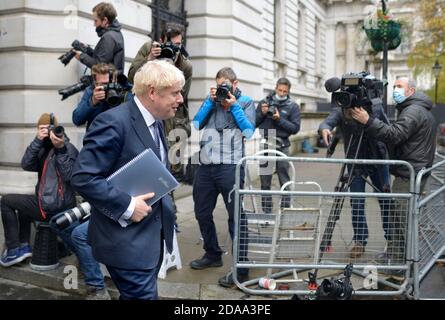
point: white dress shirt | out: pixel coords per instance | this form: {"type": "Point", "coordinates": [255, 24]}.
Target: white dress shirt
{"type": "Point", "coordinates": [149, 121]}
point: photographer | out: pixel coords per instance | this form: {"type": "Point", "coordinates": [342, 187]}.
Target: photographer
{"type": "Point", "coordinates": [94, 101]}
{"type": "Point", "coordinates": [278, 117]}
{"type": "Point", "coordinates": [368, 149]}
{"type": "Point", "coordinates": [411, 138]}
{"type": "Point", "coordinates": [171, 39]}
{"type": "Point", "coordinates": [52, 156]}
{"type": "Point", "coordinates": [110, 48]}
{"type": "Point", "coordinates": [226, 118]}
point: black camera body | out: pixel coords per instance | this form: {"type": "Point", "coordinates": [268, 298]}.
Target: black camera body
{"type": "Point", "coordinates": [59, 131]}
{"type": "Point", "coordinates": [272, 106]}
{"type": "Point", "coordinates": [168, 50]}
{"type": "Point", "coordinates": [114, 89]}
{"type": "Point", "coordinates": [337, 289]}
{"type": "Point", "coordinates": [85, 81]}
{"type": "Point", "coordinates": [66, 218]}
{"type": "Point", "coordinates": [79, 46]}
{"type": "Point", "coordinates": [356, 90]}
{"type": "Point", "coordinates": [222, 92]}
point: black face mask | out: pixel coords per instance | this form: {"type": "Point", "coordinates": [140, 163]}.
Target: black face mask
{"type": "Point", "coordinates": [100, 31]}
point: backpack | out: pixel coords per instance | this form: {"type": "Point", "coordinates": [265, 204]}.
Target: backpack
{"type": "Point", "coordinates": [54, 194]}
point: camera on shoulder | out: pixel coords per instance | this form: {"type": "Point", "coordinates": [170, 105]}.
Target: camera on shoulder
{"type": "Point", "coordinates": [356, 90]}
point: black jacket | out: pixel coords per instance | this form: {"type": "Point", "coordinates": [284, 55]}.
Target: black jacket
{"type": "Point", "coordinates": [351, 128]}
{"type": "Point", "coordinates": [412, 137]}
{"type": "Point", "coordinates": [288, 124]}
{"type": "Point", "coordinates": [109, 49]}
{"type": "Point", "coordinates": [34, 160]}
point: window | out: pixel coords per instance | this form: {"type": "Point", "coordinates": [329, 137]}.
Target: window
{"type": "Point", "coordinates": [301, 38]}
{"type": "Point", "coordinates": [166, 11]}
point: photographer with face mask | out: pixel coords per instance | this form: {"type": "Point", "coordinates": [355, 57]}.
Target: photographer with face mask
{"type": "Point", "coordinates": [95, 99]}
{"type": "Point", "coordinates": [110, 48]}
{"type": "Point", "coordinates": [52, 156]}
{"type": "Point", "coordinates": [277, 117]}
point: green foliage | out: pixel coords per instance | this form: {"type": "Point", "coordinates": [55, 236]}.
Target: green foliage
{"type": "Point", "coordinates": [431, 44]}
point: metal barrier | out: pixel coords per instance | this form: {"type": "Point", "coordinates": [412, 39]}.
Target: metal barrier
{"type": "Point", "coordinates": [287, 240]}
{"type": "Point", "coordinates": [429, 220]}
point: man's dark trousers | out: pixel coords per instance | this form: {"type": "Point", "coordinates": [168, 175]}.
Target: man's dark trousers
{"type": "Point", "coordinates": [210, 181]}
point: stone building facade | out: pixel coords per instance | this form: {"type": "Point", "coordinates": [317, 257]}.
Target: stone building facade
{"type": "Point", "coordinates": [307, 41]}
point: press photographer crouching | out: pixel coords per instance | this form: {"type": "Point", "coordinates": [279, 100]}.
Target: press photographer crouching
{"type": "Point", "coordinates": [107, 89]}
{"type": "Point", "coordinates": [52, 156]}
{"type": "Point", "coordinates": [278, 117]}
{"type": "Point", "coordinates": [357, 89]}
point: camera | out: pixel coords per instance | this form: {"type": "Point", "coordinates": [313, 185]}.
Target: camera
{"type": "Point", "coordinates": [222, 92]}
{"type": "Point", "coordinates": [66, 218]}
{"type": "Point", "coordinates": [114, 89]}
{"type": "Point", "coordinates": [168, 50]}
{"type": "Point", "coordinates": [59, 131]}
{"type": "Point", "coordinates": [356, 90]}
{"type": "Point", "coordinates": [85, 81]}
{"type": "Point", "coordinates": [273, 104]}
{"type": "Point", "coordinates": [336, 289]}
{"type": "Point", "coordinates": [79, 46]}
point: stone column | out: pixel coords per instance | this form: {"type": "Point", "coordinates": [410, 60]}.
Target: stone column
{"type": "Point", "coordinates": [350, 48]}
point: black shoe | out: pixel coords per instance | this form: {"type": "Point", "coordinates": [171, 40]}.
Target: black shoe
{"type": "Point", "coordinates": [227, 280]}
{"type": "Point", "coordinates": [205, 262]}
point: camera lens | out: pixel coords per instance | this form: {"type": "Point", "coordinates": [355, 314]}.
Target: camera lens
{"type": "Point", "coordinates": [113, 98]}
{"type": "Point", "coordinates": [66, 57]}
{"type": "Point", "coordinates": [59, 131]}
{"type": "Point", "coordinates": [72, 215]}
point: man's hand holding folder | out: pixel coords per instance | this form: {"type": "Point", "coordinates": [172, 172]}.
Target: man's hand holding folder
{"type": "Point", "coordinates": [141, 209]}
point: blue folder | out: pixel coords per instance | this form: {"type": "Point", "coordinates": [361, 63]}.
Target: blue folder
{"type": "Point", "coordinates": [143, 174]}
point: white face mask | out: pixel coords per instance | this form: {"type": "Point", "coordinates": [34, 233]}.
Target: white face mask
{"type": "Point", "coordinates": [399, 95]}
{"type": "Point", "coordinates": [278, 98]}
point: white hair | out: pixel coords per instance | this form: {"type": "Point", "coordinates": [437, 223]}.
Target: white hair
{"type": "Point", "coordinates": [157, 74]}
{"type": "Point", "coordinates": [411, 82]}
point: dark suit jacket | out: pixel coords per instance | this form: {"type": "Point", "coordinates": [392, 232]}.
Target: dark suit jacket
{"type": "Point", "coordinates": [114, 138]}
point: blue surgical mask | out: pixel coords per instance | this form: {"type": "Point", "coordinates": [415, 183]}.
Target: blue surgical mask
{"type": "Point", "coordinates": [278, 98]}
{"type": "Point", "coordinates": [399, 95]}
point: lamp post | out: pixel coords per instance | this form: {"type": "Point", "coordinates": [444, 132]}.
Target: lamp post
{"type": "Point", "coordinates": [436, 72]}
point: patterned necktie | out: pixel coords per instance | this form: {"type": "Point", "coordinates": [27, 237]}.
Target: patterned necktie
{"type": "Point", "coordinates": [157, 127]}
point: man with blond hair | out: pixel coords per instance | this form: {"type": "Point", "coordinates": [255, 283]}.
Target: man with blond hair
{"type": "Point", "coordinates": [125, 233]}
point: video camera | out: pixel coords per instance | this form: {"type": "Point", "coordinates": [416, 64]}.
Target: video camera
{"type": "Point", "coordinates": [85, 81]}
{"type": "Point", "coordinates": [337, 289]}
{"type": "Point", "coordinates": [79, 46]}
{"type": "Point", "coordinates": [59, 131]}
{"type": "Point", "coordinates": [356, 90]}
{"type": "Point", "coordinates": [66, 218]}
{"type": "Point", "coordinates": [222, 92]}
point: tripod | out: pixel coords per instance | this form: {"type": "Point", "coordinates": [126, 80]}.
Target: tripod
{"type": "Point", "coordinates": [343, 184]}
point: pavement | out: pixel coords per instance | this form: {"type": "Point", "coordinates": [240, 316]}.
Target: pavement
{"type": "Point", "coordinates": [184, 283]}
